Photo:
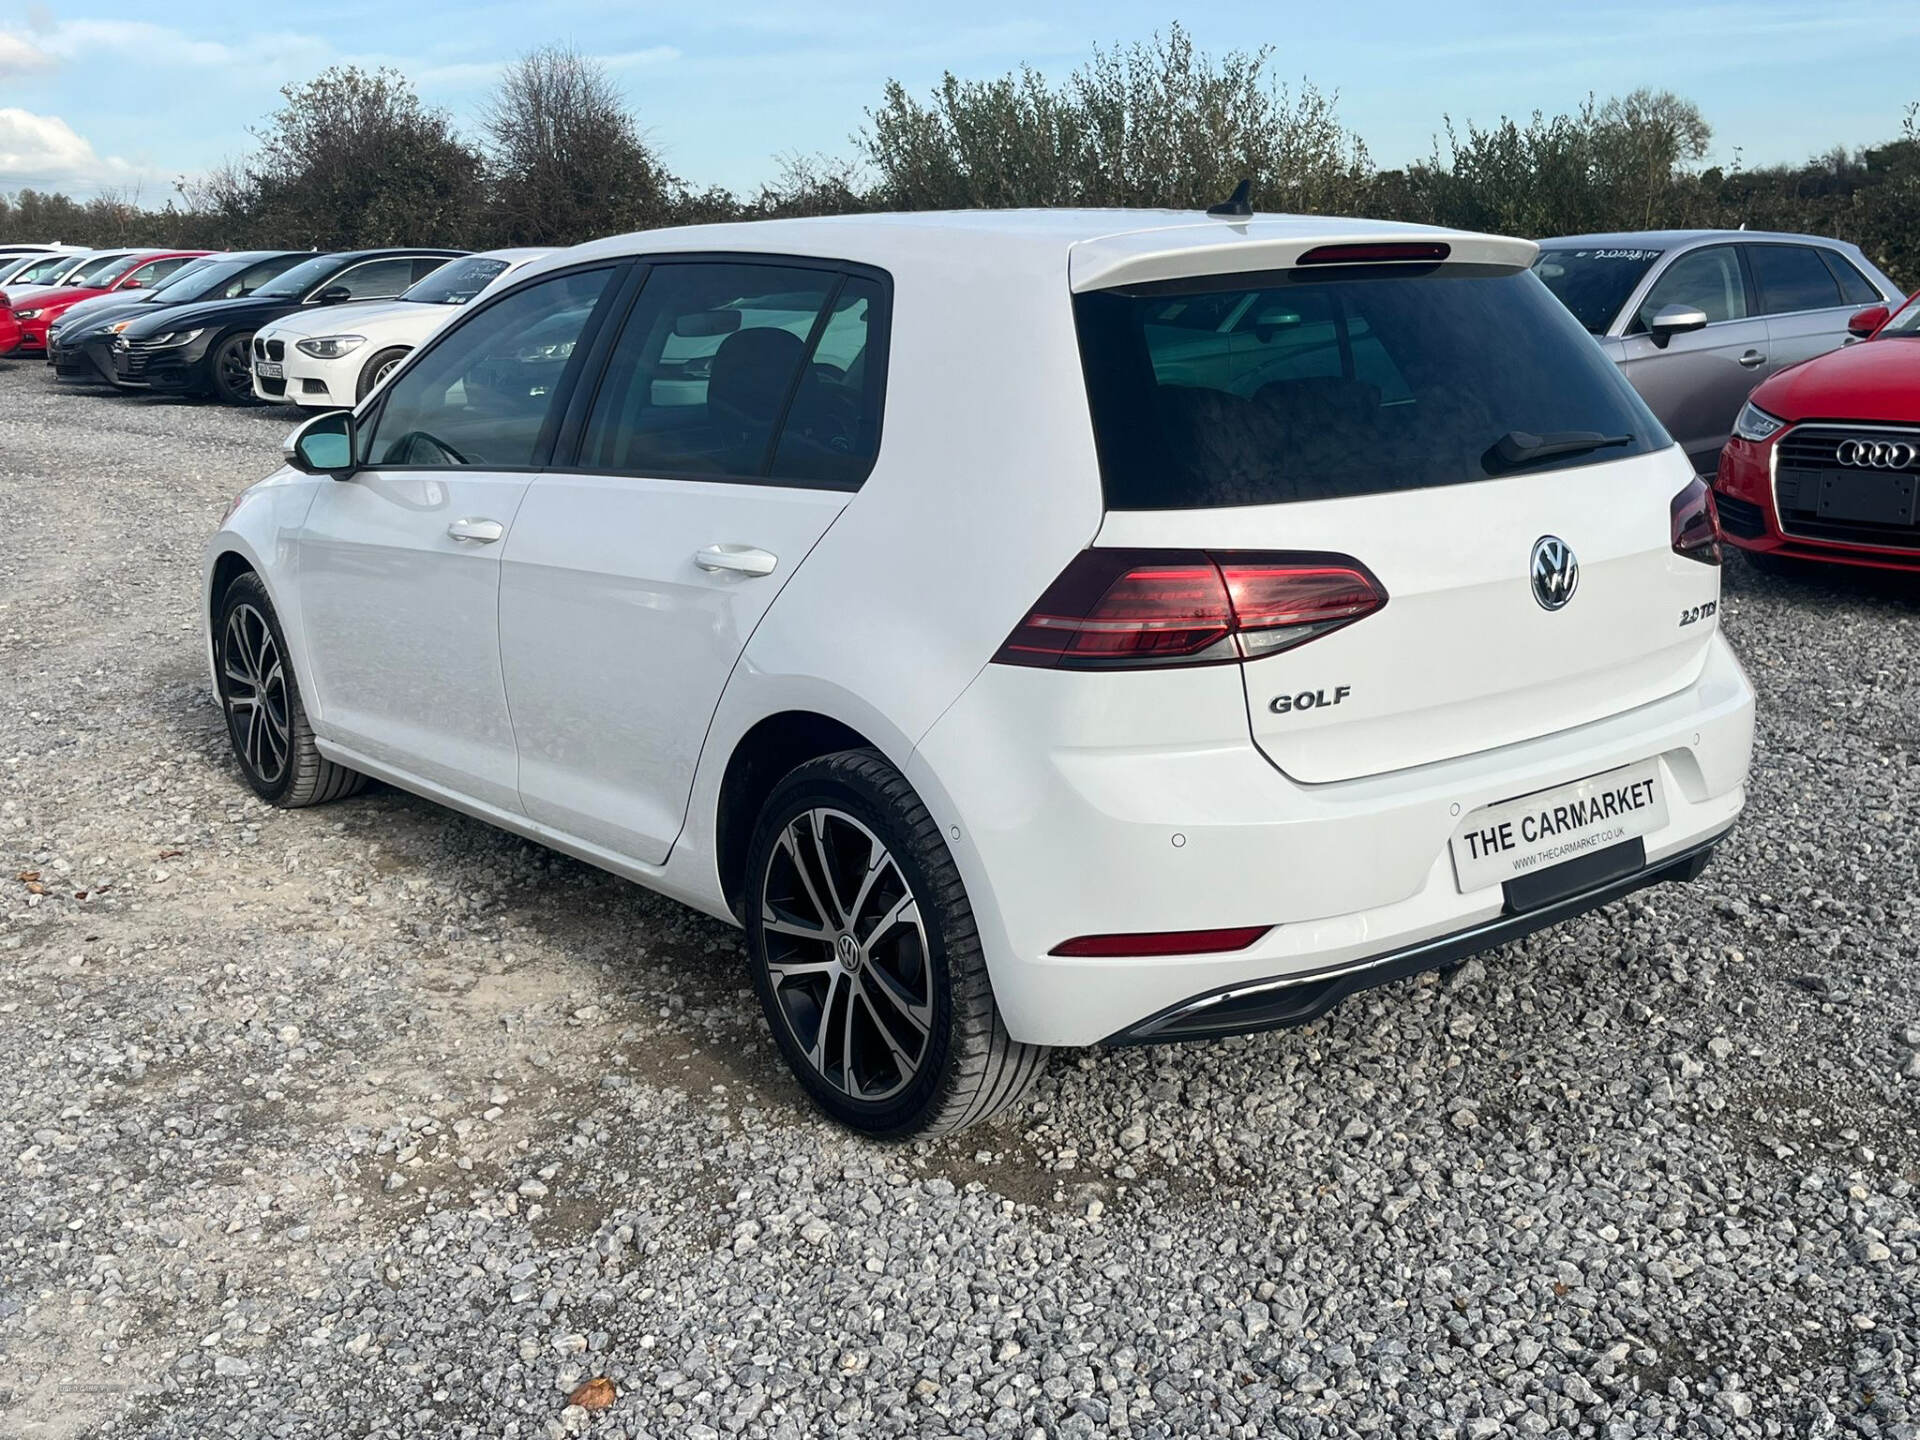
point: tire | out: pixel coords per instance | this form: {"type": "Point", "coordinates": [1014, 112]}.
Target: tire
{"type": "Point", "coordinates": [266, 720]}
{"type": "Point", "coordinates": [376, 369]}
{"type": "Point", "coordinates": [232, 370]}
{"type": "Point", "coordinates": [909, 1005]}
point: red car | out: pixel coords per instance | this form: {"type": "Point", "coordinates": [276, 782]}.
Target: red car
{"type": "Point", "coordinates": [9, 327]}
{"type": "Point", "coordinates": [1824, 463]}
{"type": "Point", "coordinates": [39, 306]}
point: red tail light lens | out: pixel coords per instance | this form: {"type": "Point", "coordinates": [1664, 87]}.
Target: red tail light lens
{"type": "Point", "coordinates": [1163, 942]}
{"type": "Point", "coordinates": [1131, 609]}
{"type": "Point", "coordinates": [1696, 524]}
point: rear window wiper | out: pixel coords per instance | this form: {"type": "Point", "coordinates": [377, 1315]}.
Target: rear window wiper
{"type": "Point", "coordinates": [1523, 447]}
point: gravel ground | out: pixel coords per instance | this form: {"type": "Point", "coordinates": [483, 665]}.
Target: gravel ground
{"type": "Point", "coordinates": [372, 1121]}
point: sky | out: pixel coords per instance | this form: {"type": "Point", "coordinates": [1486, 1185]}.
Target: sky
{"type": "Point", "coordinates": [108, 94]}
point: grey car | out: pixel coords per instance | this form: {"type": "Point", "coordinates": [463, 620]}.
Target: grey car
{"type": "Point", "coordinates": [1697, 318]}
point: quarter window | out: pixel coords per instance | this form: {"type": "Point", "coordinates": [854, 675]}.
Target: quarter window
{"type": "Point", "coordinates": [715, 356]}
{"type": "Point", "coordinates": [484, 395]}
{"type": "Point", "coordinates": [1790, 278]}
{"type": "Point", "coordinates": [1707, 280]}
{"type": "Point", "coordinates": [1855, 289]}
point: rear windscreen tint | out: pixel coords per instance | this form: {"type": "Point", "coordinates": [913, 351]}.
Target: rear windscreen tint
{"type": "Point", "coordinates": [1287, 385]}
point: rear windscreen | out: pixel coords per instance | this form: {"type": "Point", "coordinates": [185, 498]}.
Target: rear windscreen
{"type": "Point", "coordinates": [1318, 384]}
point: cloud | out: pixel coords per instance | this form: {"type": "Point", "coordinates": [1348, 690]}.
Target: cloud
{"type": "Point", "coordinates": [43, 152]}
{"type": "Point", "coordinates": [20, 56]}
{"type": "Point", "coordinates": [162, 45]}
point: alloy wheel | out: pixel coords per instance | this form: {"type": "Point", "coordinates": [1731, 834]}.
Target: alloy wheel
{"type": "Point", "coordinates": [253, 683]}
{"type": "Point", "coordinates": [236, 371]}
{"type": "Point", "coordinates": [846, 955]}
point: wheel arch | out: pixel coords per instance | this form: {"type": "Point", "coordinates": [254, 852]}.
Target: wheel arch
{"type": "Point", "coordinates": [768, 751]}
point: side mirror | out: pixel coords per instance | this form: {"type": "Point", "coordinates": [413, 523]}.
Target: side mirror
{"type": "Point", "coordinates": [1672, 320]}
{"type": "Point", "coordinates": [323, 446]}
{"type": "Point", "coordinates": [134, 285]}
{"type": "Point", "coordinates": [334, 294]}
{"type": "Point", "coordinates": [1865, 322]}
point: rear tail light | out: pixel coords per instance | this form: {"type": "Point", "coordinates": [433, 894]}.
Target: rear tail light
{"type": "Point", "coordinates": [1696, 524]}
{"type": "Point", "coordinates": [1133, 609]}
{"type": "Point", "coordinates": [1161, 942]}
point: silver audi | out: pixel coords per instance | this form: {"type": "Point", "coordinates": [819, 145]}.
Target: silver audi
{"type": "Point", "coordinates": [1697, 318]}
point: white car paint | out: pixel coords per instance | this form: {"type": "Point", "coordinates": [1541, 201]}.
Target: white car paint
{"type": "Point", "coordinates": [1074, 803]}
{"type": "Point", "coordinates": [374, 327]}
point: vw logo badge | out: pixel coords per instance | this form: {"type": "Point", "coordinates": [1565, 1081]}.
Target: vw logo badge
{"type": "Point", "coordinates": [1878, 454]}
{"type": "Point", "coordinates": [1556, 574]}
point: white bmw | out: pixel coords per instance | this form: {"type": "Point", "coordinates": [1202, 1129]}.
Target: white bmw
{"type": "Point", "coordinates": [332, 357]}
{"type": "Point", "coordinates": [1035, 629]}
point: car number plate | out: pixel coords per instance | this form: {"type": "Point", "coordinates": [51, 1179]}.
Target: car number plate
{"type": "Point", "coordinates": [1497, 843]}
{"type": "Point", "coordinates": [1871, 498]}
{"type": "Point", "coordinates": [269, 369]}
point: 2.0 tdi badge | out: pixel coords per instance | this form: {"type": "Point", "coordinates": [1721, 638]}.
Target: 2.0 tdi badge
{"type": "Point", "coordinates": [1556, 574]}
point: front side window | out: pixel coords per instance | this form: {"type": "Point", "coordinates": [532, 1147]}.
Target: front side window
{"type": "Point", "coordinates": [154, 272]}
{"type": "Point", "coordinates": [1594, 283]}
{"type": "Point", "coordinates": [375, 280]}
{"type": "Point", "coordinates": [1706, 280]}
{"type": "Point", "coordinates": [484, 395]}
{"type": "Point", "coordinates": [1790, 278]}
{"type": "Point", "coordinates": [1323, 384]}
{"type": "Point", "coordinates": [707, 365]}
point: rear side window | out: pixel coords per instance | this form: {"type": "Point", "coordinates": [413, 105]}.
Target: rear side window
{"type": "Point", "coordinates": [1318, 385]}
{"type": "Point", "coordinates": [742, 371]}
{"type": "Point", "coordinates": [1855, 289]}
{"type": "Point", "coordinates": [1790, 278]}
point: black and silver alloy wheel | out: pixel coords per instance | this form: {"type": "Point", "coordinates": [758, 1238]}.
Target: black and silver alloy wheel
{"type": "Point", "coordinates": [867, 959]}
{"type": "Point", "coordinates": [260, 694]}
{"type": "Point", "coordinates": [847, 955]}
{"type": "Point", "coordinates": [253, 685]}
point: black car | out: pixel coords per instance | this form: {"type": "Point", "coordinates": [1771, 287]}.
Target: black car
{"type": "Point", "coordinates": [80, 345]}
{"type": "Point", "coordinates": [201, 349]}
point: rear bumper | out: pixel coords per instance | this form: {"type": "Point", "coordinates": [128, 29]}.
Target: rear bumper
{"type": "Point", "coordinates": [1087, 817]}
{"type": "Point", "coordinates": [1290, 1000]}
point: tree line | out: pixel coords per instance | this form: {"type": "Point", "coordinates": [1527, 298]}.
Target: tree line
{"type": "Point", "coordinates": [355, 158]}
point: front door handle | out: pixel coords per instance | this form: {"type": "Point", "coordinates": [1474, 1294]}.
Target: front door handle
{"type": "Point", "coordinates": [738, 559]}
{"type": "Point", "coordinates": [1753, 358]}
{"type": "Point", "coordinates": [476, 531]}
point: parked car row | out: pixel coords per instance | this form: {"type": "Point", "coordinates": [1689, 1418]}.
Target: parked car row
{"type": "Point", "coordinates": [184, 322]}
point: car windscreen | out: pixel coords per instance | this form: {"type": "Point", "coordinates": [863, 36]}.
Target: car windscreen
{"type": "Point", "coordinates": [302, 278]}
{"type": "Point", "coordinates": [1905, 321]}
{"type": "Point", "coordinates": [1594, 283]}
{"type": "Point", "coordinates": [456, 282]}
{"type": "Point", "coordinates": [184, 277]}
{"type": "Point", "coordinates": [90, 272]}
{"type": "Point", "coordinates": [1320, 384]}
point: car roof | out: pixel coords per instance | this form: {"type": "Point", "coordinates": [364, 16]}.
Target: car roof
{"type": "Point", "coordinates": [1101, 248]}
{"type": "Point", "coordinates": [394, 250]}
{"type": "Point", "coordinates": [1673, 239]}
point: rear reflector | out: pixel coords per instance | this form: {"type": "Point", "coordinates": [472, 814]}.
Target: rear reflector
{"type": "Point", "coordinates": [1161, 942]}
{"type": "Point", "coordinates": [1427, 250]}
{"type": "Point", "coordinates": [1696, 524]}
{"type": "Point", "coordinates": [1133, 609]}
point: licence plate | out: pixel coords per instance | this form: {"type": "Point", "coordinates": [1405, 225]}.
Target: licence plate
{"type": "Point", "coordinates": [1500, 842]}
{"type": "Point", "coordinates": [1873, 497]}
{"type": "Point", "coordinates": [270, 369]}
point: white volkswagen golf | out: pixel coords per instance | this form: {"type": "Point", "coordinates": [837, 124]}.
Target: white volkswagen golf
{"type": "Point", "coordinates": [1035, 629]}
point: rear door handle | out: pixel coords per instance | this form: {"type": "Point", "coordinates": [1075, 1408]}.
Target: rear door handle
{"type": "Point", "coordinates": [477, 531]}
{"type": "Point", "coordinates": [736, 559]}
{"type": "Point", "coordinates": [1753, 358]}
